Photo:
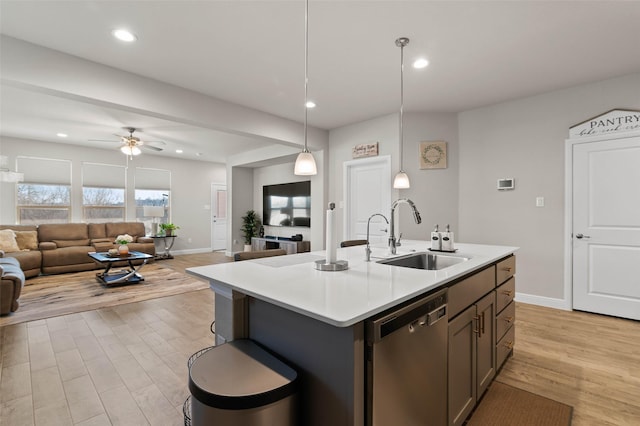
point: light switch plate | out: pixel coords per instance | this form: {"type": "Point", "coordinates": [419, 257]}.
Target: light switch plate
{"type": "Point", "coordinates": [539, 201]}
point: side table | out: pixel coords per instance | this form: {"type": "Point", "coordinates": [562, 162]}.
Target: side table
{"type": "Point", "coordinates": [168, 241]}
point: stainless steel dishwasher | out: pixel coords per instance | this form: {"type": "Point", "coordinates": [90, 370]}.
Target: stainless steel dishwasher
{"type": "Point", "coordinates": [407, 364]}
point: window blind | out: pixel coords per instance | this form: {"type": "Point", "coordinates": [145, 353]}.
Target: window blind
{"type": "Point", "coordinates": [96, 175]}
{"type": "Point", "coordinates": [45, 170]}
{"type": "Point", "coordinates": [152, 179]}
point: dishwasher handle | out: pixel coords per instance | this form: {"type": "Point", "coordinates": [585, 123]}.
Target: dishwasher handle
{"type": "Point", "coordinates": [422, 313]}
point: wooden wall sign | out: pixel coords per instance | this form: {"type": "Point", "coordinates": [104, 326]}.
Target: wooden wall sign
{"type": "Point", "coordinates": [616, 120]}
{"type": "Point", "coordinates": [433, 155]}
{"type": "Point", "coordinates": [365, 150]}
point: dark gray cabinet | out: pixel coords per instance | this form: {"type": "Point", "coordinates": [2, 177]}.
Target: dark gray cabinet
{"type": "Point", "coordinates": [481, 334]}
{"type": "Point", "coordinates": [472, 357]}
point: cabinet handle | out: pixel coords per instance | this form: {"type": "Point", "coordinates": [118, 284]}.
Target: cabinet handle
{"type": "Point", "coordinates": [477, 330]}
{"type": "Point", "coordinates": [507, 268]}
{"type": "Point", "coordinates": [509, 319]}
{"type": "Point", "coordinates": [508, 345]}
{"type": "Point", "coordinates": [482, 326]}
{"type": "Point", "coordinates": [507, 293]}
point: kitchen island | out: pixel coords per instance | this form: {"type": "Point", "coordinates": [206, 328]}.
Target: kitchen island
{"type": "Point", "coordinates": [316, 320]}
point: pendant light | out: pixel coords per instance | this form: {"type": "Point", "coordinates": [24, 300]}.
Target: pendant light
{"type": "Point", "coordinates": [305, 163]}
{"type": "Point", "coordinates": [401, 180]}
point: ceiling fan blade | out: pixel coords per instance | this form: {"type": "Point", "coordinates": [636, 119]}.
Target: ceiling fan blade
{"type": "Point", "coordinates": [103, 140]}
{"type": "Point", "coordinates": [155, 148]}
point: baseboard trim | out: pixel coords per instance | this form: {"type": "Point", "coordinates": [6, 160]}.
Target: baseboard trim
{"type": "Point", "coordinates": [189, 251]}
{"type": "Point", "coordinates": [548, 302]}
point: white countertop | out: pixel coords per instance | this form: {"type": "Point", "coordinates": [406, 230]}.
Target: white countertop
{"type": "Point", "coordinates": [347, 297]}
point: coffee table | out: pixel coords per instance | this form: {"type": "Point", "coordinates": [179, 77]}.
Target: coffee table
{"type": "Point", "coordinates": [128, 275]}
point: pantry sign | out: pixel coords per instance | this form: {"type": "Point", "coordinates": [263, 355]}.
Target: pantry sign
{"type": "Point", "coordinates": [614, 121]}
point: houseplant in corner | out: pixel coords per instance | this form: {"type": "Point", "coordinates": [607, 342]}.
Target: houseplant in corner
{"type": "Point", "coordinates": [168, 228]}
{"type": "Point", "coordinates": [250, 226]}
{"type": "Point", "coordinates": [122, 241]}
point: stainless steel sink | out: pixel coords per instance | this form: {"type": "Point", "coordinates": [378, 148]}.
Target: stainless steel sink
{"type": "Point", "coordinates": [424, 260]}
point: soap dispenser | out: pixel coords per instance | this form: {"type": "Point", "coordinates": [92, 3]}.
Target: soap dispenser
{"type": "Point", "coordinates": [436, 240]}
{"type": "Point", "coordinates": [447, 240]}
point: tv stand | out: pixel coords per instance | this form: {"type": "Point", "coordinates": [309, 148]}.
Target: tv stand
{"type": "Point", "coordinates": [291, 247]}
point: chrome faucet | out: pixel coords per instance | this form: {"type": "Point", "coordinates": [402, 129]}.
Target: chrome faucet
{"type": "Point", "coordinates": [392, 237]}
{"type": "Point", "coordinates": [368, 249]}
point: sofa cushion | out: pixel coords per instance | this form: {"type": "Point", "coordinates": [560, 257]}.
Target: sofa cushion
{"type": "Point", "coordinates": [71, 243]}
{"type": "Point", "coordinates": [30, 261]}
{"type": "Point", "coordinates": [62, 231]}
{"type": "Point", "coordinates": [97, 230]}
{"type": "Point", "coordinates": [135, 229]}
{"type": "Point", "coordinates": [8, 242]}
{"type": "Point", "coordinates": [27, 240]}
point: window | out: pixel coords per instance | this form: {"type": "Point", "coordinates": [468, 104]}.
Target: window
{"type": "Point", "coordinates": [103, 204]}
{"type": "Point", "coordinates": [38, 203]}
{"type": "Point", "coordinates": [152, 189]}
{"type": "Point", "coordinates": [103, 192]}
{"type": "Point", "coordinates": [45, 194]}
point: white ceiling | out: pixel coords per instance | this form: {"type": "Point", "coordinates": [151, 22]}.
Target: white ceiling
{"type": "Point", "coordinates": [251, 53]}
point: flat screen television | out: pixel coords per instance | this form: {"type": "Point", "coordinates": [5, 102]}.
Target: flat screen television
{"type": "Point", "coordinates": [287, 204]}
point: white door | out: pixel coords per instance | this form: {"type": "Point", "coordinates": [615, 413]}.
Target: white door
{"type": "Point", "coordinates": [367, 191]}
{"type": "Point", "coordinates": [606, 227]}
{"type": "Point", "coordinates": [218, 217]}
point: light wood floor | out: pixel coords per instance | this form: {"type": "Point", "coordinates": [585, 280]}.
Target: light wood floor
{"type": "Point", "coordinates": [126, 365]}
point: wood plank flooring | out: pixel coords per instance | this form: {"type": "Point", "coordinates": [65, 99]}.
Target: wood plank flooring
{"type": "Point", "coordinates": [127, 365]}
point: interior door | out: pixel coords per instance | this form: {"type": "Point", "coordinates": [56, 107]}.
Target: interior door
{"type": "Point", "coordinates": [606, 227]}
{"type": "Point", "coordinates": [367, 191]}
{"type": "Point", "coordinates": [218, 217]}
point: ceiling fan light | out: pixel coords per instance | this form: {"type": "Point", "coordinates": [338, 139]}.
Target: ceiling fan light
{"type": "Point", "coordinates": [401, 180]}
{"type": "Point", "coordinates": [130, 150]}
{"type": "Point", "coordinates": [305, 164]}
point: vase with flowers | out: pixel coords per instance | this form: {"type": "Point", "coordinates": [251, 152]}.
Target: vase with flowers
{"type": "Point", "coordinates": [122, 241]}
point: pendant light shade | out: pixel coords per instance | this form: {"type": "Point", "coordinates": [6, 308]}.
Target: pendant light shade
{"type": "Point", "coordinates": [305, 163]}
{"type": "Point", "coordinates": [401, 180]}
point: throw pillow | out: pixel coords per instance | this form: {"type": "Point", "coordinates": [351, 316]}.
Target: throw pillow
{"type": "Point", "coordinates": [27, 240]}
{"type": "Point", "coordinates": [8, 241]}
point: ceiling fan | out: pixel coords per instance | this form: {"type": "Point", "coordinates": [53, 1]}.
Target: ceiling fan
{"type": "Point", "coordinates": [130, 145]}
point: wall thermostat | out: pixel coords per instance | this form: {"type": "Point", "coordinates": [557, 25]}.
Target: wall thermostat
{"type": "Point", "coordinates": [504, 184]}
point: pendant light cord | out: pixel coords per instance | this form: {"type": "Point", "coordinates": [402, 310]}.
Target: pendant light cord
{"type": "Point", "coordinates": [306, 68]}
{"type": "Point", "coordinates": [401, 103]}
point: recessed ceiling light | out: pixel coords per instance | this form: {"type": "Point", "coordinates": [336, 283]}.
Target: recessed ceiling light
{"type": "Point", "coordinates": [310, 104]}
{"type": "Point", "coordinates": [179, 151]}
{"type": "Point", "coordinates": [61, 135]}
{"type": "Point", "coordinates": [124, 35]}
{"type": "Point", "coordinates": [420, 63]}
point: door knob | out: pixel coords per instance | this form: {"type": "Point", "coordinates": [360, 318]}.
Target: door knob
{"type": "Point", "coordinates": [581, 236]}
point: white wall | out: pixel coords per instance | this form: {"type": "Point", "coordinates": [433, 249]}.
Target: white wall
{"type": "Point", "coordinates": [525, 139]}
{"type": "Point", "coordinates": [190, 185]}
{"type": "Point", "coordinates": [435, 192]}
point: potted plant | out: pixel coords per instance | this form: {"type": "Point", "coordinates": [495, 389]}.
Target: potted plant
{"type": "Point", "coordinates": [122, 241]}
{"type": "Point", "coordinates": [250, 225]}
{"type": "Point", "coordinates": [168, 228]}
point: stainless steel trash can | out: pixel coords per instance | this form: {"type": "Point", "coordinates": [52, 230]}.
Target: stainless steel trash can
{"type": "Point", "coordinates": [239, 383]}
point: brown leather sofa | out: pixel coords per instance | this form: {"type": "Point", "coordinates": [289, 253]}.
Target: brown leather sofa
{"type": "Point", "coordinates": [11, 283]}
{"type": "Point", "coordinates": [64, 246]}
{"type": "Point", "coordinates": [29, 256]}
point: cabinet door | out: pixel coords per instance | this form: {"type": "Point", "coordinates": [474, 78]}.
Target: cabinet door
{"type": "Point", "coordinates": [462, 366]}
{"type": "Point", "coordinates": [486, 361]}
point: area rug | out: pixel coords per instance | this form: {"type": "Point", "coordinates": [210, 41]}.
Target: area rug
{"type": "Point", "coordinates": [504, 405]}
{"type": "Point", "coordinates": [54, 295]}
